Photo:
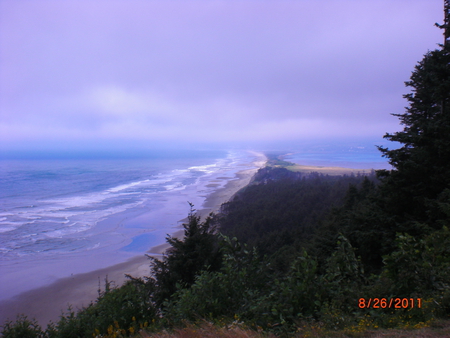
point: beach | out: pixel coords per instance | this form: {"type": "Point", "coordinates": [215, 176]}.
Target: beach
{"type": "Point", "coordinates": [328, 170]}
{"type": "Point", "coordinates": [78, 289]}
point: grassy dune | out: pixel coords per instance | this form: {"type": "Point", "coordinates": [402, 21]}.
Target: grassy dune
{"type": "Point", "coordinates": [278, 162]}
{"type": "Point", "coordinates": [332, 171]}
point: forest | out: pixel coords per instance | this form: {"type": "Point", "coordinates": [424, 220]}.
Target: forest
{"type": "Point", "coordinates": [295, 253]}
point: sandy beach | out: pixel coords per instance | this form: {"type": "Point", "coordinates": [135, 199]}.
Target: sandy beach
{"type": "Point", "coordinates": [328, 170]}
{"type": "Point", "coordinates": [47, 303]}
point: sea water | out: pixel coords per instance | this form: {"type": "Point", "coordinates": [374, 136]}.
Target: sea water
{"type": "Point", "coordinates": [355, 156]}
{"type": "Point", "coordinates": [56, 209]}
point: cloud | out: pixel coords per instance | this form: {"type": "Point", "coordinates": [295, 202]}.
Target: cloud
{"type": "Point", "coordinates": [209, 71]}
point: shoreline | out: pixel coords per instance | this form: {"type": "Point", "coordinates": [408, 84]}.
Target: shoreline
{"type": "Point", "coordinates": [329, 170]}
{"type": "Point", "coordinates": [47, 303]}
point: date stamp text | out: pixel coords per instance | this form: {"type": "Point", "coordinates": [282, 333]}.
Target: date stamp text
{"type": "Point", "coordinates": [389, 303]}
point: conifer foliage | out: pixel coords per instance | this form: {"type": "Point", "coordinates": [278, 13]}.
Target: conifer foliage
{"type": "Point", "coordinates": [197, 251]}
{"type": "Point", "coordinates": [422, 163]}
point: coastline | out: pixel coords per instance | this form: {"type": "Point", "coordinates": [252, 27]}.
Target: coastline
{"type": "Point", "coordinates": [47, 303]}
{"type": "Point", "coordinates": [328, 170]}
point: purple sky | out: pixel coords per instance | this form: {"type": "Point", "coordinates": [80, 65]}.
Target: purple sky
{"type": "Point", "coordinates": [91, 74]}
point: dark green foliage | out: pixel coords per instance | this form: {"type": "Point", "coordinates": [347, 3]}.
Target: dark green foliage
{"type": "Point", "coordinates": [276, 159]}
{"type": "Point", "coordinates": [116, 309]}
{"type": "Point", "coordinates": [344, 274]}
{"type": "Point", "coordinates": [358, 220]}
{"type": "Point", "coordinates": [197, 251]}
{"type": "Point", "coordinates": [293, 297]}
{"type": "Point", "coordinates": [22, 327]}
{"type": "Point", "coordinates": [421, 165]}
{"type": "Point", "coordinates": [306, 294]}
{"type": "Point", "coordinates": [268, 173]}
{"type": "Point", "coordinates": [362, 222]}
{"type": "Point", "coordinates": [420, 267]}
{"type": "Point", "coordinates": [279, 216]}
{"type": "Point", "coordinates": [230, 292]}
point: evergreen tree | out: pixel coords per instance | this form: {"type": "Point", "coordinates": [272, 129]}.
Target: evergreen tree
{"type": "Point", "coordinates": [197, 251]}
{"type": "Point", "coordinates": [422, 164]}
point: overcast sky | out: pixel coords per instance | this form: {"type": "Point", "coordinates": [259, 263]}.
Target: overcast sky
{"type": "Point", "coordinates": [96, 74]}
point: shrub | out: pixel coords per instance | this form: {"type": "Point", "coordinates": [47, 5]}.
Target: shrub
{"type": "Point", "coordinates": [124, 309]}
{"type": "Point", "coordinates": [224, 293]}
{"type": "Point", "coordinates": [22, 328]}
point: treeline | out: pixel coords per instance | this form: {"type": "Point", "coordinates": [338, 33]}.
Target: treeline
{"type": "Point", "coordinates": [280, 212]}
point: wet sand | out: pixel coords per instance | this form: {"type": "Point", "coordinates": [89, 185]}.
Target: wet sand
{"type": "Point", "coordinates": [47, 303]}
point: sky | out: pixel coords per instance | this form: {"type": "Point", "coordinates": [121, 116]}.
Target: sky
{"type": "Point", "coordinates": [142, 74]}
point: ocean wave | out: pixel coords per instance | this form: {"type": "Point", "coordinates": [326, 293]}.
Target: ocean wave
{"type": "Point", "coordinates": [4, 228]}
{"type": "Point", "coordinates": [126, 186]}
{"type": "Point", "coordinates": [51, 221]}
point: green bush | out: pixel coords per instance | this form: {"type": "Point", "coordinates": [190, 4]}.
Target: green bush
{"type": "Point", "coordinates": [293, 298]}
{"type": "Point", "coordinates": [225, 293]}
{"type": "Point", "coordinates": [124, 309]}
{"type": "Point", "coordinates": [22, 328]}
{"type": "Point", "coordinates": [420, 267]}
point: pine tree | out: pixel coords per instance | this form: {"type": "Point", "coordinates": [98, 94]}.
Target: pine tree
{"type": "Point", "coordinates": [187, 257]}
{"type": "Point", "coordinates": [421, 166]}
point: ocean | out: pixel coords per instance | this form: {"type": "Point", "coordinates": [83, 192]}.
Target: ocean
{"type": "Point", "coordinates": [100, 212]}
{"type": "Point", "coordinates": [356, 156]}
